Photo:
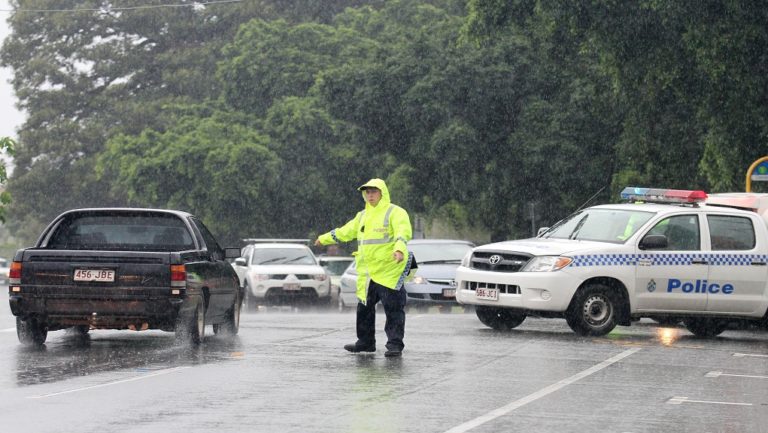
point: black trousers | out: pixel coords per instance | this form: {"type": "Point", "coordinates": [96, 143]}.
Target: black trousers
{"type": "Point", "coordinates": [394, 308]}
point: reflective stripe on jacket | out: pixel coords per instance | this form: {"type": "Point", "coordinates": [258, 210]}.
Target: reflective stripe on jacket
{"type": "Point", "coordinates": [379, 231]}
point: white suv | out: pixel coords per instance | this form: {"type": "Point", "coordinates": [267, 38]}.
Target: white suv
{"type": "Point", "coordinates": [272, 272]}
{"type": "Point", "coordinates": [703, 263]}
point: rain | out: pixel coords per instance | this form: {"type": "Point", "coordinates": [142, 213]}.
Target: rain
{"type": "Point", "coordinates": [489, 121]}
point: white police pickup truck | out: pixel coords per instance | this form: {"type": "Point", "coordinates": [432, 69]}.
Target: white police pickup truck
{"type": "Point", "coordinates": [671, 254]}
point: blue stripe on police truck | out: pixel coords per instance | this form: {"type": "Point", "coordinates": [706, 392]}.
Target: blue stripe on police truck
{"type": "Point", "coordinates": [683, 259]}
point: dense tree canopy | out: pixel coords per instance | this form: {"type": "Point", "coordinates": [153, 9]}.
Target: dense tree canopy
{"type": "Point", "coordinates": [262, 116]}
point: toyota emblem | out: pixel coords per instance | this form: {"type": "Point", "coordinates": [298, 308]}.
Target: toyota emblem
{"type": "Point", "coordinates": [494, 259]}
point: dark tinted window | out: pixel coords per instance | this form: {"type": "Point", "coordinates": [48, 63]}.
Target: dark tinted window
{"type": "Point", "coordinates": [122, 231]}
{"type": "Point", "coordinates": [731, 233]}
{"type": "Point", "coordinates": [682, 232]}
{"type": "Point", "coordinates": [210, 241]}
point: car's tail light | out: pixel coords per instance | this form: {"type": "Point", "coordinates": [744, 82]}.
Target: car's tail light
{"type": "Point", "coordinates": [14, 274]}
{"type": "Point", "coordinates": [178, 276]}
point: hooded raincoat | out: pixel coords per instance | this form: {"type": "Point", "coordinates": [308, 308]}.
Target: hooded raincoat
{"type": "Point", "coordinates": [379, 231]}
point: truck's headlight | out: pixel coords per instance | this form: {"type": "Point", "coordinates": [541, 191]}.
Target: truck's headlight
{"type": "Point", "coordinates": [547, 264]}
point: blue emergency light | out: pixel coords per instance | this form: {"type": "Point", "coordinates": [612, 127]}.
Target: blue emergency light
{"type": "Point", "coordinates": [657, 195]}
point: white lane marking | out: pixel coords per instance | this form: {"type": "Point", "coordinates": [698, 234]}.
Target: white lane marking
{"type": "Point", "coordinates": [117, 382]}
{"type": "Point", "coordinates": [754, 355]}
{"type": "Point", "coordinates": [681, 400]}
{"type": "Point", "coordinates": [720, 373]}
{"type": "Point", "coordinates": [469, 425]}
{"type": "Point", "coordinates": [8, 330]}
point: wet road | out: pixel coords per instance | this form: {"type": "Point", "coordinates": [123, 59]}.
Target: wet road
{"type": "Point", "coordinates": [287, 372]}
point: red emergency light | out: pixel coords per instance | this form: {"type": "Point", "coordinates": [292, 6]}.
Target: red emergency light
{"type": "Point", "coordinates": [657, 195]}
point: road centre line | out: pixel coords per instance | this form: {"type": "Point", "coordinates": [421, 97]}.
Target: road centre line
{"type": "Point", "coordinates": [117, 382]}
{"type": "Point", "coordinates": [720, 373]}
{"type": "Point", "coordinates": [753, 355]}
{"type": "Point", "coordinates": [504, 410]}
{"type": "Point", "coordinates": [681, 400]}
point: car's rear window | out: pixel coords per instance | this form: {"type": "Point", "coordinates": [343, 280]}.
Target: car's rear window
{"type": "Point", "coordinates": [120, 231]}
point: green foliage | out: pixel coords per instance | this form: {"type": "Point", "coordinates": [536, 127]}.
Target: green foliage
{"type": "Point", "coordinates": [7, 146]}
{"type": "Point", "coordinates": [263, 116]}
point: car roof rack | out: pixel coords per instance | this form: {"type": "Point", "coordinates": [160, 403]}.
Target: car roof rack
{"type": "Point", "coordinates": [274, 241]}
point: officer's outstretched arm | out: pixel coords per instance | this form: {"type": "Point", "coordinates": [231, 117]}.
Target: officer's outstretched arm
{"type": "Point", "coordinates": [345, 233]}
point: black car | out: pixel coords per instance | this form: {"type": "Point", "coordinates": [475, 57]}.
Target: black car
{"type": "Point", "coordinates": [125, 268]}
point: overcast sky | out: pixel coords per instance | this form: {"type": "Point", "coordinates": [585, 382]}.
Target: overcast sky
{"type": "Point", "coordinates": [10, 117]}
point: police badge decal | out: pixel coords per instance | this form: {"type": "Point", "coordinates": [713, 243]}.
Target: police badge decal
{"type": "Point", "coordinates": [651, 286]}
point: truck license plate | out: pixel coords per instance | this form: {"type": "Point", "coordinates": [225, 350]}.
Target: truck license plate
{"type": "Point", "coordinates": [291, 286]}
{"type": "Point", "coordinates": [100, 275]}
{"type": "Point", "coordinates": [487, 294]}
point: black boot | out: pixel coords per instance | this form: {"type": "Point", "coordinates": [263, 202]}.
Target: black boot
{"type": "Point", "coordinates": [358, 347]}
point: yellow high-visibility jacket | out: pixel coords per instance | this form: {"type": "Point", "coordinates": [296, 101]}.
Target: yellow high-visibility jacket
{"type": "Point", "coordinates": [379, 231]}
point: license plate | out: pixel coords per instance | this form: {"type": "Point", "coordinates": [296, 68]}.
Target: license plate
{"type": "Point", "coordinates": [100, 275]}
{"type": "Point", "coordinates": [291, 286]}
{"type": "Point", "coordinates": [449, 293]}
{"type": "Point", "coordinates": [487, 294]}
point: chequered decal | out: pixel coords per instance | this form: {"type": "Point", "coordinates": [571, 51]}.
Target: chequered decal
{"type": "Point", "coordinates": [667, 259]}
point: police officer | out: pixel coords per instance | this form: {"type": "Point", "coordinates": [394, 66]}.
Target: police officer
{"type": "Point", "coordinates": [383, 262]}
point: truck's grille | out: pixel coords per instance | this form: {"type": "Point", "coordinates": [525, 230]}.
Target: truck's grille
{"type": "Point", "coordinates": [509, 289]}
{"type": "Point", "coordinates": [284, 276]}
{"type": "Point", "coordinates": [498, 261]}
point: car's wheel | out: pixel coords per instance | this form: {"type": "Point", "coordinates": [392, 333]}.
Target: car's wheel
{"type": "Point", "coordinates": [231, 325]}
{"type": "Point", "coordinates": [501, 319]}
{"type": "Point", "coordinates": [593, 310]}
{"type": "Point", "coordinates": [705, 327]}
{"type": "Point", "coordinates": [31, 331]}
{"type": "Point", "coordinates": [192, 329]}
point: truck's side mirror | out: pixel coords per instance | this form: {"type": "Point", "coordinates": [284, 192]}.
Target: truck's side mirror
{"type": "Point", "coordinates": [653, 242]}
{"type": "Point", "coordinates": [542, 231]}
{"type": "Point", "coordinates": [240, 261]}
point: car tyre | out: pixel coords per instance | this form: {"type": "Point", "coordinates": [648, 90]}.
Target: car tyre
{"type": "Point", "coordinates": [705, 327]}
{"type": "Point", "coordinates": [191, 330]}
{"type": "Point", "coordinates": [31, 332]}
{"type": "Point", "coordinates": [231, 326]}
{"type": "Point", "coordinates": [500, 319]}
{"type": "Point", "coordinates": [593, 311]}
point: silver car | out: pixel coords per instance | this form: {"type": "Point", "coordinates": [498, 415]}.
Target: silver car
{"type": "Point", "coordinates": [281, 273]}
{"type": "Point", "coordinates": [335, 266]}
{"type": "Point", "coordinates": [347, 299]}
{"type": "Point", "coordinates": [433, 284]}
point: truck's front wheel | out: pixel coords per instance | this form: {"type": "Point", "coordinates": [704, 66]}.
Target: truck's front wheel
{"type": "Point", "coordinates": [592, 311]}
{"type": "Point", "coordinates": [31, 331]}
{"type": "Point", "coordinates": [501, 319]}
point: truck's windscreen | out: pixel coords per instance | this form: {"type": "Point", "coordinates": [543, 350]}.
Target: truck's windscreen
{"type": "Point", "coordinates": [121, 232]}
{"type": "Point", "coordinates": [601, 225]}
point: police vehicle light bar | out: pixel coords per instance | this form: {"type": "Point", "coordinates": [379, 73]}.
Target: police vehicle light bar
{"type": "Point", "coordinates": [656, 195]}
